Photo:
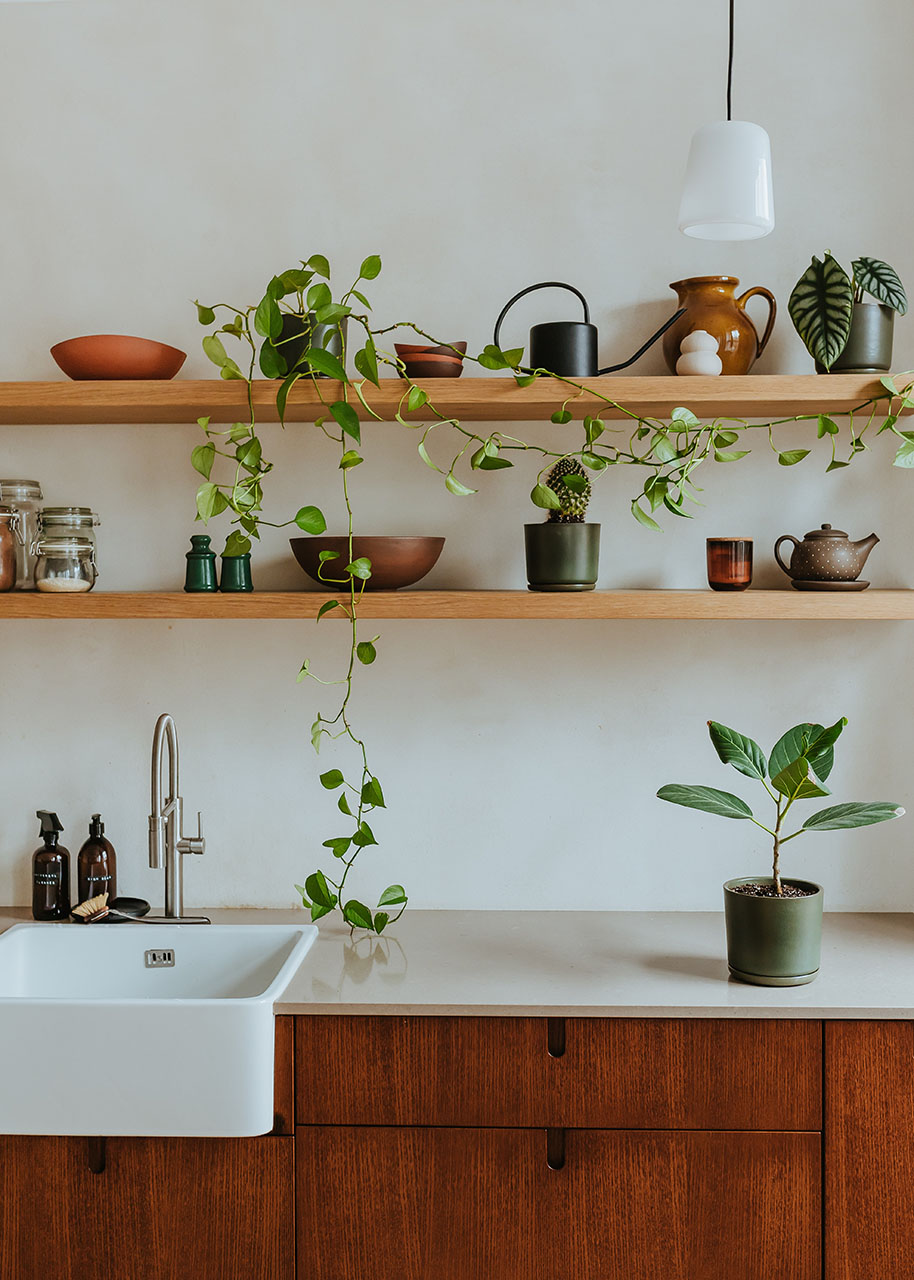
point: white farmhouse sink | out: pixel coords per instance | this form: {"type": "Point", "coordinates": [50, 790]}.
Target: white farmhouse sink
{"type": "Point", "coordinates": [95, 1041]}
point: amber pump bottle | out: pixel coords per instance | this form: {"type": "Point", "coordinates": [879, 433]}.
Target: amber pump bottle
{"type": "Point", "coordinates": [50, 872]}
{"type": "Point", "coordinates": [96, 866]}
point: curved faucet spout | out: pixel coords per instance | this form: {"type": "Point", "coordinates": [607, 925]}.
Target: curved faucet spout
{"type": "Point", "coordinates": [167, 842]}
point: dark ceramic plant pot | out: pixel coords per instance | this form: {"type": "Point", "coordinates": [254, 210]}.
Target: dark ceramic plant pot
{"type": "Point", "coordinates": [296, 337]}
{"type": "Point", "coordinates": [773, 942]}
{"type": "Point", "coordinates": [869, 343]}
{"type": "Point", "coordinates": [562, 557]}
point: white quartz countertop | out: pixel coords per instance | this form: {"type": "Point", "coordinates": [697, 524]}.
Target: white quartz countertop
{"type": "Point", "coordinates": [582, 963]}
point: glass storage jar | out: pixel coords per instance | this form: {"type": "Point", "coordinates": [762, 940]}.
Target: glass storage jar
{"type": "Point", "coordinates": [24, 496]}
{"type": "Point", "coordinates": [64, 522]}
{"type": "Point", "coordinates": [65, 563]}
{"type": "Point", "coordinates": [9, 545]}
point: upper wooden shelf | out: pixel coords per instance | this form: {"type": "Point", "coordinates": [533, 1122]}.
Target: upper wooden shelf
{"type": "Point", "coordinates": [754, 606]}
{"type": "Point", "coordinates": [495, 399]}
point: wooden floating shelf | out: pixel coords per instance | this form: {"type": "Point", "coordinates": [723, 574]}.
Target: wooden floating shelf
{"type": "Point", "coordinates": [748, 606]}
{"type": "Point", "coordinates": [495, 399]}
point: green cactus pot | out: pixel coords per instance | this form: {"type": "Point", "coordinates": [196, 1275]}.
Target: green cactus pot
{"type": "Point", "coordinates": [562, 557]}
{"type": "Point", "coordinates": [773, 942]}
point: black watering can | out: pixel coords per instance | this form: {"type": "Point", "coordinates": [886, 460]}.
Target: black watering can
{"type": "Point", "coordinates": [569, 347]}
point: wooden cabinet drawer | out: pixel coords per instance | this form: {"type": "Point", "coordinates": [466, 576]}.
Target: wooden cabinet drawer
{"type": "Point", "coordinates": [614, 1072]}
{"type": "Point", "coordinates": [416, 1203]}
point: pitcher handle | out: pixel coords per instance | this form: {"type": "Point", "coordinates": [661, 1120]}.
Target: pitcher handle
{"type": "Point", "coordinates": [545, 284]}
{"type": "Point", "coordinates": [772, 312]}
{"type": "Point", "coordinates": [787, 537]}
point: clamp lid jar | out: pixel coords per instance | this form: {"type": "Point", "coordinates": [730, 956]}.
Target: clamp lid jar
{"type": "Point", "coordinates": [65, 563]}
{"type": "Point", "coordinates": [9, 533]}
{"type": "Point", "coordinates": [58, 522]}
{"type": "Point", "coordinates": [24, 496]}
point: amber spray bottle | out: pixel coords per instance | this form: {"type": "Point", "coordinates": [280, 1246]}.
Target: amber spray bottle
{"type": "Point", "coordinates": [50, 872]}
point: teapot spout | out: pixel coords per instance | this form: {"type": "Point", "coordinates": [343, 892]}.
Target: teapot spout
{"type": "Point", "coordinates": [864, 547]}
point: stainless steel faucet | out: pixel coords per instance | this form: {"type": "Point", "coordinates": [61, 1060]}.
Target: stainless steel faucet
{"type": "Point", "coordinates": [167, 842]}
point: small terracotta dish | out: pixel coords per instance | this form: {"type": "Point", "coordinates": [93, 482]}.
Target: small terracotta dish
{"type": "Point", "coordinates": [395, 561]}
{"type": "Point", "coordinates": [432, 366]}
{"type": "Point", "coordinates": [112, 356]}
{"type": "Point", "coordinates": [405, 349]}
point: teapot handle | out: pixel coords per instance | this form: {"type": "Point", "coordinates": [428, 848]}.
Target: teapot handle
{"type": "Point", "coordinates": [546, 284]}
{"type": "Point", "coordinates": [772, 312]}
{"type": "Point", "coordinates": [787, 537]}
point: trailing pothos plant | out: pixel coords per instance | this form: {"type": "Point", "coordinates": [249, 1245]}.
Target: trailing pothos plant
{"type": "Point", "coordinates": [298, 332]}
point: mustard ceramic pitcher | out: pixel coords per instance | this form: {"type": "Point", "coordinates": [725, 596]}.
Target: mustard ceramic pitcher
{"type": "Point", "coordinates": [710, 303]}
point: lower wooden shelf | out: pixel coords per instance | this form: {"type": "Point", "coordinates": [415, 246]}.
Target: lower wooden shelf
{"type": "Point", "coordinates": [749, 606]}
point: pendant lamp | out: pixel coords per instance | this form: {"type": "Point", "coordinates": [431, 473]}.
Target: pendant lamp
{"type": "Point", "coordinates": [728, 193]}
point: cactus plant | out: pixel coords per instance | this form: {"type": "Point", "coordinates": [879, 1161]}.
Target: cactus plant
{"type": "Point", "coordinates": [568, 481]}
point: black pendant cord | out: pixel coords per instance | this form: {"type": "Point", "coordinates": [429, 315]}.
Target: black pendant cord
{"type": "Point", "coordinates": [730, 66]}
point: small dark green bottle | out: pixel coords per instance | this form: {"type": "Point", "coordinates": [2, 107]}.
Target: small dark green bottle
{"type": "Point", "coordinates": [236, 573]}
{"type": "Point", "coordinates": [201, 565]}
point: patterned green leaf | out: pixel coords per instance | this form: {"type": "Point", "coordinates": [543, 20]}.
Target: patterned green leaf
{"type": "Point", "coordinates": [881, 282]}
{"type": "Point", "coordinates": [821, 307]}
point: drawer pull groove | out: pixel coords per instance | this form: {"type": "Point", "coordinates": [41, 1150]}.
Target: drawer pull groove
{"type": "Point", "coordinates": [555, 1037]}
{"type": "Point", "coordinates": [555, 1148]}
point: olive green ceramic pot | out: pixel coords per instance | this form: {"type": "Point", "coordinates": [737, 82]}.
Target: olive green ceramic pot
{"type": "Point", "coordinates": [869, 343]}
{"type": "Point", "coordinates": [773, 942]}
{"type": "Point", "coordinates": [562, 557]}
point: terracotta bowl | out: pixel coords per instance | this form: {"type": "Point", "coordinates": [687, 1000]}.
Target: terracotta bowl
{"type": "Point", "coordinates": [110, 356]}
{"type": "Point", "coordinates": [433, 366]}
{"type": "Point", "coordinates": [405, 349]}
{"type": "Point", "coordinates": [395, 561]}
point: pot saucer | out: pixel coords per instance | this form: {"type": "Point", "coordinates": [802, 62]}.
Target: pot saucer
{"type": "Point", "coordinates": [809, 584]}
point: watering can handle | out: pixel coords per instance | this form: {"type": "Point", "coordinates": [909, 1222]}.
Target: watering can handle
{"type": "Point", "coordinates": [546, 284]}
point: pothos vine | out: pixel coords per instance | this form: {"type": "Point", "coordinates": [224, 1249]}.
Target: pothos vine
{"type": "Point", "coordinates": [280, 335]}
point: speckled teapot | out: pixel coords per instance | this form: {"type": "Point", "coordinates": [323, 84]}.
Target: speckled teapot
{"type": "Point", "coordinates": [825, 555]}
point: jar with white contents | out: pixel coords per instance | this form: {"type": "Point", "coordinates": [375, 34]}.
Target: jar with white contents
{"type": "Point", "coordinates": [65, 563]}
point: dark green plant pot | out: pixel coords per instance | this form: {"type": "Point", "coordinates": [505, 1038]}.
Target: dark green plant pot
{"type": "Point", "coordinates": [869, 344]}
{"type": "Point", "coordinates": [773, 942]}
{"type": "Point", "coordinates": [296, 337]}
{"type": "Point", "coordinates": [562, 557]}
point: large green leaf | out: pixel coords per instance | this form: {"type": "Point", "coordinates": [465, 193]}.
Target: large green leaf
{"type": "Point", "coordinates": [799, 781]}
{"type": "Point", "coordinates": [791, 746]}
{"type": "Point", "coordinates": [821, 307]}
{"type": "Point", "coordinates": [881, 282]}
{"type": "Point", "coordinates": [839, 817]}
{"type": "Point", "coordinates": [810, 740]}
{"type": "Point", "coordinates": [708, 799]}
{"type": "Point", "coordinates": [745, 755]}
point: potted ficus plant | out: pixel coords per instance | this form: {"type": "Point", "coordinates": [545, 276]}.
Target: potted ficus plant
{"type": "Point", "coordinates": [842, 331]}
{"type": "Point", "coordinates": [563, 554]}
{"type": "Point", "coordinates": [774, 925]}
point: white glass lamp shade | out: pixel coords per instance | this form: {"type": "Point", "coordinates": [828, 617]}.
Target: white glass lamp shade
{"type": "Point", "coordinates": [728, 193]}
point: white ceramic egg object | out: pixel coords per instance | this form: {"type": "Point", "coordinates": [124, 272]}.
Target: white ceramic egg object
{"type": "Point", "coordinates": [699, 355]}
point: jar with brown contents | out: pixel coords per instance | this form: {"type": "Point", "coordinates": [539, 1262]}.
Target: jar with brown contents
{"type": "Point", "coordinates": [9, 529]}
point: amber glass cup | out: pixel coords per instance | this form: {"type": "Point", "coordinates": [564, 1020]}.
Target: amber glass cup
{"type": "Point", "coordinates": [729, 563]}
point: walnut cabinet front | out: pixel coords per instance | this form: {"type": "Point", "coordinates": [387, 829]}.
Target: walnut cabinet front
{"type": "Point", "coordinates": [451, 1148]}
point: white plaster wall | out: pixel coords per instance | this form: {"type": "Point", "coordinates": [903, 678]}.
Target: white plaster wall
{"type": "Point", "coordinates": [152, 153]}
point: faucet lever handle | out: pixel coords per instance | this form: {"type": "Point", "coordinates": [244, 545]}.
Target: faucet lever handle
{"type": "Point", "coordinates": [194, 844]}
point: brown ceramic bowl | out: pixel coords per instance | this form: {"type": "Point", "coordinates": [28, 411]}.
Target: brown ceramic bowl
{"type": "Point", "coordinates": [406, 349]}
{"type": "Point", "coordinates": [395, 561]}
{"type": "Point", "coordinates": [110, 356]}
{"type": "Point", "coordinates": [431, 366]}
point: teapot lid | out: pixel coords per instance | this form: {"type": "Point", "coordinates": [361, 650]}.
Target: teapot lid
{"type": "Point", "coordinates": [826, 532]}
